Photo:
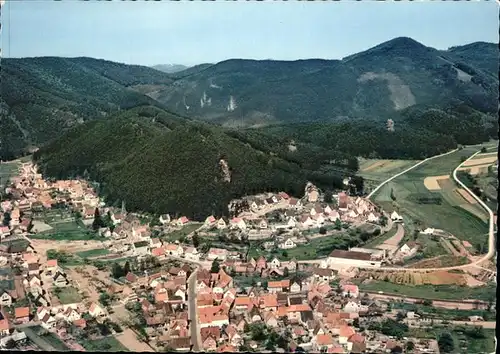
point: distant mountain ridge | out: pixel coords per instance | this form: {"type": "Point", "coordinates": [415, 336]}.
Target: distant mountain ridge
{"type": "Point", "coordinates": [170, 68]}
{"type": "Point", "coordinates": [377, 82]}
{"type": "Point", "coordinates": [43, 97]}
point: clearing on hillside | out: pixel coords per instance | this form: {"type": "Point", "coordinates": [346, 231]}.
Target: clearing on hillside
{"type": "Point", "coordinates": [432, 183]}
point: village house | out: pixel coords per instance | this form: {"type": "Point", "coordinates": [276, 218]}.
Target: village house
{"type": "Point", "coordinates": [22, 315]}
{"type": "Point", "coordinates": [343, 200]}
{"type": "Point", "coordinates": [117, 218]}
{"type": "Point", "coordinates": [221, 224]}
{"type": "Point", "coordinates": [192, 254]}
{"type": "Point", "coordinates": [306, 221]}
{"type": "Point", "coordinates": [5, 298]}
{"type": "Point", "coordinates": [210, 221]}
{"type": "Point", "coordinates": [97, 311]}
{"type": "Point", "coordinates": [262, 224]}
{"type": "Point", "coordinates": [333, 216]}
{"type": "Point", "coordinates": [372, 217]}
{"type": "Point", "coordinates": [238, 223]}
{"type": "Point", "coordinates": [4, 327]}
{"type": "Point", "coordinates": [155, 243]}
{"type": "Point", "coordinates": [350, 290]}
{"type": "Point", "coordinates": [295, 288]}
{"type": "Point", "coordinates": [140, 248]}
{"type": "Point", "coordinates": [288, 244]}
{"type": "Point", "coordinates": [51, 267]}
{"type": "Point", "coordinates": [217, 253]}
{"type": "Point", "coordinates": [295, 203]}
{"type": "Point", "coordinates": [60, 279]}
{"type": "Point", "coordinates": [274, 264]}
{"type": "Point", "coordinates": [396, 217]}
{"type": "Point", "coordinates": [323, 274]}
{"type": "Point", "coordinates": [278, 286]}
{"type": "Point", "coordinates": [164, 219]}
{"type": "Point", "coordinates": [183, 220]}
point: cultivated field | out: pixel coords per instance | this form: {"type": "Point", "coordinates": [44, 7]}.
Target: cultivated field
{"type": "Point", "coordinates": [481, 160]}
{"type": "Point", "coordinates": [432, 183]}
{"type": "Point", "coordinates": [417, 278]}
{"type": "Point", "coordinates": [378, 170]}
{"type": "Point", "coordinates": [440, 261]}
{"type": "Point", "coordinates": [438, 208]}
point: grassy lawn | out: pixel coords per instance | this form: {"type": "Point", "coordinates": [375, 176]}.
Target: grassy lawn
{"type": "Point", "coordinates": [441, 213]}
{"type": "Point", "coordinates": [430, 248]}
{"type": "Point", "coordinates": [7, 170]}
{"type": "Point", "coordinates": [438, 292]}
{"type": "Point", "coordinates": [316, 248]}
{"type": "Point", "coordinates": [7, 284]}
{"type": "Point", "coordinates": [55, 341]}
{"type": "Point", "coordinates": [183, 232]}
{"type": "Point", "coordinates": [464, 343]}
{"type": "Point", "coordinates": [108, 344]}
{"type": "Point", "coordinates": [375, 241]}
{"type": "Point", "coordinates": [50, 338]}
{"type": "Point", "coordinates": [93, 253]}
{"type": "Point", "coordinates": [68, 295]}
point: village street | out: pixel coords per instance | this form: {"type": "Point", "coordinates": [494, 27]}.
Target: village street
{"type": "Point", "coordinates": [193, 313]}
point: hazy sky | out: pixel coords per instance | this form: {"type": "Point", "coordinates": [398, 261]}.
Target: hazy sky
{"type": "Point", "coordinates": [195, 32]}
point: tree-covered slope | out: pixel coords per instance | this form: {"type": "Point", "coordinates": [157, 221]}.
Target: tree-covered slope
{"type": "Point", "coordinates": [42, 97]}
{"type": "Point", "coordinates": [159, 163]}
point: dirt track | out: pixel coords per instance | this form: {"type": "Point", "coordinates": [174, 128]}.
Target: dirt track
{"type": "Point", "coordinates": [129, 340]}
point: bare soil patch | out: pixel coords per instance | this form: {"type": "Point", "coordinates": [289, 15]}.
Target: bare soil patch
{"type": "Point", "coordinates": [129, 339]}
{"type": "Point", "coordinates": [431, 183]}
{"type": "Point", "coordinates": [466, 195]}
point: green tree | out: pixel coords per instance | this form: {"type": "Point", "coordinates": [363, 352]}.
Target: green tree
{"type": "Point", "coordinates": [427, 302]}
{"type": "Point", "coordinates": [446, 343]}
{"type": "Point", "coordinates": [286, 272]}
{"type": "Point", "coordinates": [322, 230]}
{"type": "Point", "coordinates": [285, 254]}
{"type": "Point", "coordinates": [328, 197]}
{"type": "Point", "coordinates": [215, 266]}
{"type": "Point", "coordinates": [105, 299]}
{"type": "Point", "coordinates": [126, 268]}
{"type": "Point", "coordinates": [410, 347]}
{"type": "Point", "coordinates": [10, 344]}
{"type": "Point", "coordinates": [6, 219]}
{"type": "Point", "coordinates": [98, 222]}
{"type": "Point", "coordinates": [483, 150]}
{"type": "Point", "coordinates": [338, 224]}
{"type": "Point", "coordinates": [117, 271]}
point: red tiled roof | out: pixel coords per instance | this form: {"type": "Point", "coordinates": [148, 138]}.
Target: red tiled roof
{"type": "Point", "coordinates": [21, 312]}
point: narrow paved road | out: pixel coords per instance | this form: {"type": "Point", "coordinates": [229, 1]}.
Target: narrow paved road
{"type": "Point", "coordinates": [193, 313]}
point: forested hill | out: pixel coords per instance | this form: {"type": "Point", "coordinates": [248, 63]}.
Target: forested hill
{"type": "Point", "coordinates": [43, 97]}
{"type": "Point", "coordinates": [159, 162]}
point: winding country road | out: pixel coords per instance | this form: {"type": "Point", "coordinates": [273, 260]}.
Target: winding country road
{"type": "Point", "coordinates": [491, 240]}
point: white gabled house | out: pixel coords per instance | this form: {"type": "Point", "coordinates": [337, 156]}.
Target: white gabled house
{"type": "Point", "coordinates": [396, 217]}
